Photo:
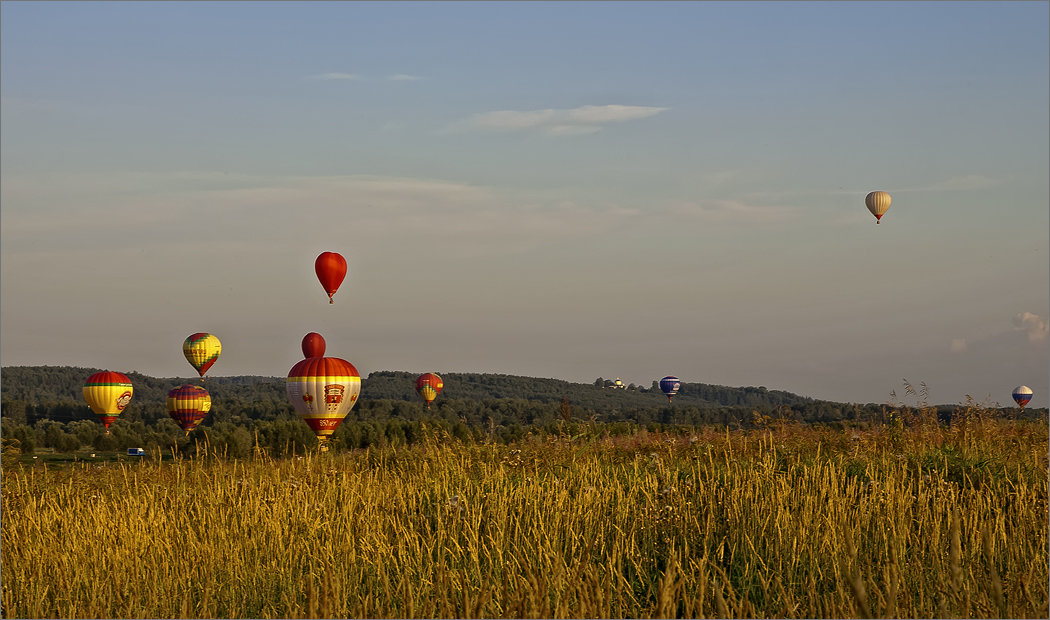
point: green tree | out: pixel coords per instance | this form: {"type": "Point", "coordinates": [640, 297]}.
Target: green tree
{"type": "Point", "coordinates": [105, 443]}
{"type": "Point", "coordinates": [14, 411]}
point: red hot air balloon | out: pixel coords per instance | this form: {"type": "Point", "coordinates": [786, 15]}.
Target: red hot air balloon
{"type": "Point", "coordinates": [313, 345]}
{"type": "Point", "coordinates": [429, 385]}
{"type": "Point", "coordinates": [330, 268]}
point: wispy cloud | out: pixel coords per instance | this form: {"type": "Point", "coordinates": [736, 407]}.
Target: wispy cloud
{"type": "Point", "coordinates": [402, 77]}
{"type": "Point", "coordinates": [335, 76]}
{"type": "Point", "coordinates": [1036, 328]}
{"type": "Point", "coordinates": [1027, 327]}
{"type": "Point", "coordinates": [557, 122]}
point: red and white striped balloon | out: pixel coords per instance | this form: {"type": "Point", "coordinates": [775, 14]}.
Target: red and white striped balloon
{"type": "Point", "coordinates": [323, 390]}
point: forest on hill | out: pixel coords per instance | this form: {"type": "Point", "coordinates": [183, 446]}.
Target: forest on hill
{"type": "Point", "coordinates": [43, 406]}
{"type": "Point", "coordinates": [37, 385]}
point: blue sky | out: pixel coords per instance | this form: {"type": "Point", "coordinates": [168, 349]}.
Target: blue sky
{"type": "Point", "coordinates": [566, 190]}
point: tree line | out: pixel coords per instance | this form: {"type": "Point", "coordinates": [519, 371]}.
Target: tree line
{"type": "Point", "coordinates": [42, 407]}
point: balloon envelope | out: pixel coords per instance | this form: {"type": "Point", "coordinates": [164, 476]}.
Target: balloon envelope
{"type": "Point", "coordinates": [201, 351]}
{"type": "Point", "coordinates": [323, 390]}
{"type": "Point", "coordinates": [330, 268]}
{"type": "Point", "coordinates": [429, 385]}
{"type": "Point", "coordinates": [1022, 394]}
{"type": "Point", "coordinates": [108, 393]}
{"type": "Point", "coordinates": [878, 203]}
{"type": "Point", "coordinates": [670, 385]}
{"type": "Point", "coordinates": [313, 345]}
{"type": "Point", "coordinates": [188, 405]}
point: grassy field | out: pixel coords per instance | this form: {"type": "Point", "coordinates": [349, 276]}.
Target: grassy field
{"type": "Point", "coordinates": [785, 522]}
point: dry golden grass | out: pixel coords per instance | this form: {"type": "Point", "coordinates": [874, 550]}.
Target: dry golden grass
{"type": "Point", "coordinates": [783, 522]}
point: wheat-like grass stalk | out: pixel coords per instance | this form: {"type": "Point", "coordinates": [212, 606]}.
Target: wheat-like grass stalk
{"type": "Point", "coordinates": [787, 522]}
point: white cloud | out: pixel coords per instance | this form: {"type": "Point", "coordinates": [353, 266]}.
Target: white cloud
{"type": "Point", "coordinates": [1035, 327]}
{"type": "Point", "coordinates": [402, 77]}
{"type": "Point", "coordinates": [512, 120]}
{"type": "Point", "coordinates": [958, 345]}
{"type": "Point", "coordinates": [601, 114]}
{"type": "Point", "coordinates": [335, 76]}
{"type": "Point", "coordinates": [555, 122]}
{"type": "Point", "coordinates": [571, 130]}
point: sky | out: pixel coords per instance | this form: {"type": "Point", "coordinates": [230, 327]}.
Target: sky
{"type": "Point", "coordinates": [569, 190]}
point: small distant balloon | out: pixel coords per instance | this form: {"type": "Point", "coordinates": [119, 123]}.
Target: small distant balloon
{"type": "Point", "coordinates": [313, 345]}
{"type": "Point", "coordinates": [108, 393]}
{"type": "Point", "coordinates": [1022, 394]}
{"type": "Point", "coordinates": [188, 405]}
{"type": "Point", "coordinates": [878, 203]}
{"type": "Point", "coordinates": [428, 386]}
{"type": "Point", "coordinates": [670, 385]}
{"type": "Point", "coordinates": [201, 350]}
{"type": "Point", "coordinates": [330, 268]}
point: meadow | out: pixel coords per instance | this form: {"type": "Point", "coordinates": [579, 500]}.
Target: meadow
{"type": "Point", "coordinates": [785, 521]}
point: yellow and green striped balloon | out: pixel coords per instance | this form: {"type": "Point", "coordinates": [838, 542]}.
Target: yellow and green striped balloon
{"type": "Point", "coordinates": [201, 351]}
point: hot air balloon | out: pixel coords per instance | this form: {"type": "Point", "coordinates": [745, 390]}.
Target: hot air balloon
{"type": "Point", "coordinates": [201, 351]}
{"type": "Point", "coordinates": [878, 203]}
{"type": "Point", "coordinates": [323, 390]}
{"type": "Point", "coordinates": [313, 345]}
{"type": "Point", "coordinates": [188, 405]}
{"type": "Point", "coordinates": [108, 393]}
{"type": "Point", "coordinates": [669, 385]}
{"type": "Point", "coordinates": [330, 268]}
{"type": "Point", "coordinates": [1022, 394]}
{"type": "Point", "coordinates": [429, 385]}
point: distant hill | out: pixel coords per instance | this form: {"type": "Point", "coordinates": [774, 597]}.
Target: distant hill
{"type": "Point", "coordinates": [55, 384]}
{"type": "Point", "coordinates": [399, 385]}
{"type": "Point", "coordinates": [495, 404]}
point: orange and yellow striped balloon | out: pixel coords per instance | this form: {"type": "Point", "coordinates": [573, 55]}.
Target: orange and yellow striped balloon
{"type": "Point", "coordinates": [108, 393]}
{"type": "Point", "coordinates": [428, 386]}
{"type": "Point", "coordinates": [188, 405]}
{"type": "Point", "coordinates": [323, 390]}
{"type": "Point", "coordinates": [201, 351]}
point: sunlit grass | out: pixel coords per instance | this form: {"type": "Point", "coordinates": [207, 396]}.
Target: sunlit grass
{"type": "Point", "coordinates": [782, 522]}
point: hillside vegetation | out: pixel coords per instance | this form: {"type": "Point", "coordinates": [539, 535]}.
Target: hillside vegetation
{"type": "Point", "coordinates": [44, 384]}
{"type": "Point", "coordinates": [42, 407]}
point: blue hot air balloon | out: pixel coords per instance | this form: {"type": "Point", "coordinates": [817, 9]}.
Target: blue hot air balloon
{"type": "Point", "coordinates": [669, 385]}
